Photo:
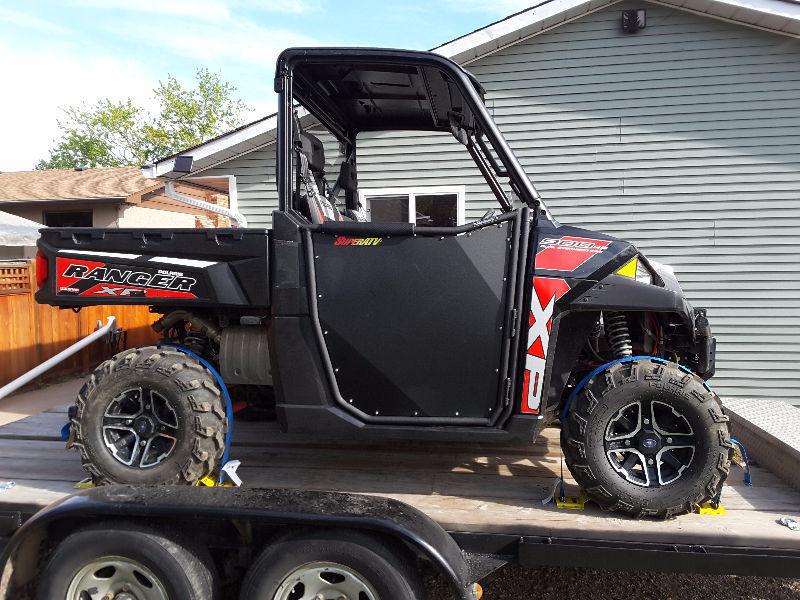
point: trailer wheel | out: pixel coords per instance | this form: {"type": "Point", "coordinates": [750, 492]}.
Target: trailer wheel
{"type": "Point", "coordinates": [150, 415]}
{"type": "Point", "coordinates": [647, 438]}
{"type": "Point", "coordinates": [127, 562]}
{"type": "Point", "coordinates": [342, 564]}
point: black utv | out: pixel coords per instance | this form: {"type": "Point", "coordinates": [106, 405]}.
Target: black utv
{"type": "Point", "coordinates": [424, 328]}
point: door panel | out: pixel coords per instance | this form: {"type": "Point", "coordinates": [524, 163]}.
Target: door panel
{"type": "Point", "coordinates": [414, 325]}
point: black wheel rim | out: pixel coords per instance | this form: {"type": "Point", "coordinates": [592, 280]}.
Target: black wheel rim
{"type": "Point", "coordinates": [650, 443]}
{"type": "Point", "coordinates": [140, 428]}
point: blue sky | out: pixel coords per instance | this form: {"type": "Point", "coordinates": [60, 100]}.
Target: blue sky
{"type": "Point", "coordinates": [58, 53]}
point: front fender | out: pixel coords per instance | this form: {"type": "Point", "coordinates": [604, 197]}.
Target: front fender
{"type": "Point", "coordinates": [617, 293]}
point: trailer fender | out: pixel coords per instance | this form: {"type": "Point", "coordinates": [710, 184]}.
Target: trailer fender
{"type": "Point", "coordinates": [197, 507]}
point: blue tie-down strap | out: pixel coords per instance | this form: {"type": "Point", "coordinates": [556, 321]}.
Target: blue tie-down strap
{"type": "Point", "coordinates": [228, 404]}
{"type": "Point", "coordinates": [748, 481]}
{"type": "Point", "coordinates": [601, 368]}
{"type": "Point", "coordinates": [66, 430]}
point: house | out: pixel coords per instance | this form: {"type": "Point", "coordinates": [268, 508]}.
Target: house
{"type": "Point", "coordinates": [106, 197]}
{"type": "Point", "coordinates": [18, 238]}
{"type": "Point", "coordinates": [674, 124]}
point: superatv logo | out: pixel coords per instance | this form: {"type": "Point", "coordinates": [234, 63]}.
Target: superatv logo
{"type": "Point", "coordinates": [164, 280]}
{"type": "Point", "coordinates": [350, 241]}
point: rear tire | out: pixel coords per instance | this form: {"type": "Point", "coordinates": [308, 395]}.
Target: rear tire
{"type": "Point", "coordinates": [106, 559]}
{"type": "Point", "coordinates": [357, 566]}
{"type": "Point", "coordinates": [177, 425]}
{"type": "Point", "coordinates": [647, 438]}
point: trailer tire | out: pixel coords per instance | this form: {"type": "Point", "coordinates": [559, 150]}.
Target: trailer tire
{"type": "Point", "coordinates": [184, 423]}
{"type": "Point", "coordinates": [355, 557]}
{"type": "Point", "coordinates": [127, 555]}
{"type": "Point", "coordinates": [678, 455]}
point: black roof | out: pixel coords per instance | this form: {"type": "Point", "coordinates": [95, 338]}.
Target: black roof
{"type": "Point", "coordinates": [369, 89]}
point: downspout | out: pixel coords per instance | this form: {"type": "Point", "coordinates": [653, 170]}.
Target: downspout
{"type": "Point", "coordinates": [235, 216]}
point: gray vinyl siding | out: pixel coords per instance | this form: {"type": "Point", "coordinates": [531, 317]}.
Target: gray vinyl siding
{"type": "Point", "coordinates": [683, 138]}
{"type": "Point", "coordinates": [256, 190]}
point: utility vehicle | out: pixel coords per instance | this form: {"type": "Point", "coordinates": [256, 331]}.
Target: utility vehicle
{"type": "Point", "coordinates": [350, 325]}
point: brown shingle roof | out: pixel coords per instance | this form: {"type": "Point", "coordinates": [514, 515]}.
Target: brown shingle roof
{"type": "Point", "coordinates": [66, 184]}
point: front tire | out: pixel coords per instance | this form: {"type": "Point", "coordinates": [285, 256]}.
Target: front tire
{"type": "Point", "coordinates": [646, 438]}
{"type": "Point", "coordinates": [335, 564]}
{"type": "Point", "coordinates": [127, 561]}
{"type": "Point", "coordinates": [150, 415]}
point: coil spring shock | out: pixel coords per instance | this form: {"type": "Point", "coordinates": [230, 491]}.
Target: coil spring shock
{"type": "Point", "coordinates": [618, 334]}
{"type": "Point", "coordinates": [196, 342]}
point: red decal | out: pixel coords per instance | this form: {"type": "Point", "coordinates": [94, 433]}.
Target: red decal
{"type": "Point", "coordinates": [567, 253]}
{"type": "Point", "coordinates": [103, 290]}
{"type": "Point", "coordinates": [536, 348]}
{"type": "Point", "coordinates": [546, 291]}
{"type": "Point", "coordinates": [70, 271]}
{"type": "Point", "coordinates": [78, 277]}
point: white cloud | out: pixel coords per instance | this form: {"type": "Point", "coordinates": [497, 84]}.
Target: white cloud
{"type": "Point", "coordinates": [205, 10]}
{"type": "Point", "coordinates": [202, 10]}
{"type": "Point", "coordinates": [500, 8]}
{"type": "Point", "coordinates": [293, 7]}
{"type": "Point", "coordinates": [28, 21]}
{"type": "Point", "coordinates": [208, 30]}
{"type": "Point", "coordinates": [230, 43]}
{"type": "Point", "coordinates": [50, 77]}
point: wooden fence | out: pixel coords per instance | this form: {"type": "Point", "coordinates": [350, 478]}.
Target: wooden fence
{"type": "Point", "coordinates": [30, 333]}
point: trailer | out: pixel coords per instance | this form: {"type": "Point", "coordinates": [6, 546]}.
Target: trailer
{"type": "Point", "coordinates": [459, 510]}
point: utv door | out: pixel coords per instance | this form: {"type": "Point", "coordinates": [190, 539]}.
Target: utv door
{"type": "Point", "coordinates": [416, 323]}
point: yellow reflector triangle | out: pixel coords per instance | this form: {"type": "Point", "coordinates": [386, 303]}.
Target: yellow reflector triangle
{"type": "Point", "coordinates": [629, 268]}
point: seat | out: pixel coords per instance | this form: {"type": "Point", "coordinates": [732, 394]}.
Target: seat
{"type": "Point", "coordinates": [348, 181]}
{"type": "Point", "coordinates": [313, 199]}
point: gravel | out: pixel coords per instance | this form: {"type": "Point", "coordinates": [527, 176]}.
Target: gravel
{"type": "Point", "coordinates": [545, 583]}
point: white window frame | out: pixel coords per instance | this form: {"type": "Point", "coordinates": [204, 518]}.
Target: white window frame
{"type": "Point", "coordinates": [412, 192]}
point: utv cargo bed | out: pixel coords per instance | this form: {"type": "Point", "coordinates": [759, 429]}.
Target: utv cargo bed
{"type": "Point", "coordinates": [158, 267]}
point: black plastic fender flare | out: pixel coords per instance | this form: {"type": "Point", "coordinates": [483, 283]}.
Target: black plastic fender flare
{"type": "Point", "coordinates": [279, 507]}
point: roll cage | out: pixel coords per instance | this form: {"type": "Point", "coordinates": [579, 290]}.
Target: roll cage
{"type": "Point", "coordinates": [354, 90]}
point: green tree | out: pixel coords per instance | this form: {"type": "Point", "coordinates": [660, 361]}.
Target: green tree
{"type": "Point", "coordinates": [119, 133]}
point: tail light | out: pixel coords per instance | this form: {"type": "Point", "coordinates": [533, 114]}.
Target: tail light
{"type": "Point", "coordinates": [41, 269]}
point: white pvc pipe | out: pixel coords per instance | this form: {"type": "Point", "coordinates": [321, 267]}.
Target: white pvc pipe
{"type": "Point", "coordinates": [60, 357]}
{"type": "Point", "coordinates": [171, 192]}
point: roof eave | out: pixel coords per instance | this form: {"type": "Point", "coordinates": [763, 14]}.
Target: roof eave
{"type": "Point", "coordinates": [777, 16]}
{"type": "Point", "coordinates": [514, 29]}
{"type": "Point", "coordinates": [93, 200]}
{"type": "Point", "coordinates": [224, 147]}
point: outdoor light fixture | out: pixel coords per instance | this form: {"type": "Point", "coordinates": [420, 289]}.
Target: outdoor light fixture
{"type": "Point", "coordinates": [183, 164]}
{"type": "Point", "coordinates": [634, 20]}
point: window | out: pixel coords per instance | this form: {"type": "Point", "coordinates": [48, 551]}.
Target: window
{"type": "Point", "coordinates": [82, 218]}
{"type": "Point", "coordinates": [424, 206]}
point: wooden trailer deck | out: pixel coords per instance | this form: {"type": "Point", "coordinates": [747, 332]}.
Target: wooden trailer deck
{"type": "Point", "coordinates": [472, 488]}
